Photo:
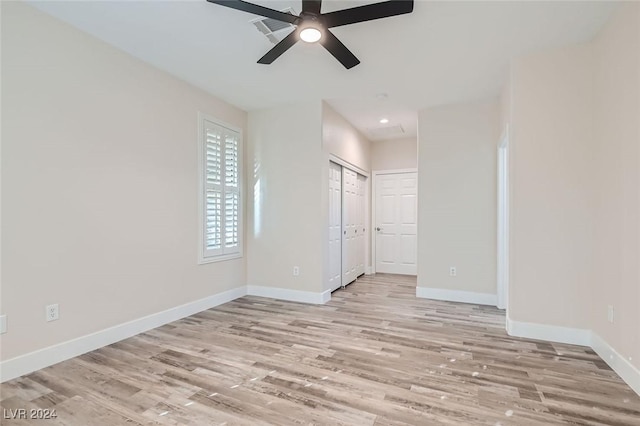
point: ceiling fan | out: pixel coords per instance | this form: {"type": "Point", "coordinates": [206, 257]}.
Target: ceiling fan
{"type": "Point", "coordinates": [313, 26]}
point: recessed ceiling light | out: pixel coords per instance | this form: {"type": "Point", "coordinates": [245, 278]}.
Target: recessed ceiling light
{"type": "Point", "coordinates": [382, 96]}
{"type": "Point", "coordinates": [384, 120]}
{"type": "Point", "coordinates": [310, 35]}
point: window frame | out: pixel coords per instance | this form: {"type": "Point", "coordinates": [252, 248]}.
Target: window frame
{"type": "Point", "coordinates": [203, 256]}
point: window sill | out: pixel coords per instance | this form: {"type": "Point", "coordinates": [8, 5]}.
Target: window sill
{"type": "Point", "coordinates": [221, 258]}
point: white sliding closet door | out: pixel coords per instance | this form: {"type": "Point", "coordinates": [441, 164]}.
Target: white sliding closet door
{"type": "Point", "coordinates": [335, 226]}
{"type": "Point", "coordinates": [360, 225]}
{"type": "Point", "coordinates": [347, 229]}
{"type": "Point", "coordinates": [349, 225]}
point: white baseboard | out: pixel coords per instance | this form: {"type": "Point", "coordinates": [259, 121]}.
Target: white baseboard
{"type": "Point", "coordinates": [28, 363]}
{"type": "Point", "coordinates": [368, 270]}
{"type": "Point", "coordinates": [627, 371]}
{"type": "Point", "coordinates": [551, 333]}
{"type": "Point", "coordinates": [290, 295]}
{"type": "Point", "coordinates": [325, 296]}
{"type": "Point", "coordinates": [457, 296]}
{"type": "Point", "coordinates": [577, 336]}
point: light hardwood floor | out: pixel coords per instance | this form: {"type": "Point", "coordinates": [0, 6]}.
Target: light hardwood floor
{"type": "Point", "coordinates": [375, 354]}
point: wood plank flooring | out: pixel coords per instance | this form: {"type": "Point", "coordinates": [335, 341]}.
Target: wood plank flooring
{"type": "Point", "coordinates": [374, 355]}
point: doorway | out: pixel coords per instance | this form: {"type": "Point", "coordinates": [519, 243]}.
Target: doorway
{"type": "Point", "coordinates": [396, 222]}
{"type": "Point", "coordinates": [503, 221]}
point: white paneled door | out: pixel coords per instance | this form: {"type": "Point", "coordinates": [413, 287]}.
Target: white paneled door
{"type": "Point", "coordinates": [396, 223]}
{"type": "Point", "coordinates": [347, 225]}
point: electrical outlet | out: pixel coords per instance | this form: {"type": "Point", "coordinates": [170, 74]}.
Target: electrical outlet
{"type": "Point", "coordinates": [610, 313]}
{"type": "Point", "coordinates": [51, 312]}
{"type": "Point", "coordinates": [452, 271]}
{"type": "Point", "coordinates": [3, 324]}
{"type": "Point", "coordinates": [296, 271]}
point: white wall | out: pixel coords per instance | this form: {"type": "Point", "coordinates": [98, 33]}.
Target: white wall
{"type": "Point", "coordinates": [617, 182]}
{"type": "Point", "coordinates": [552, 200]}
{"type": "Point", "coordinates": [286, 211]}
{"type": "Point", "coordinates": [457, 197]}
{"type": "Point", "coordinates": [394, 154]}
{"type": "Point", "coordinates": [99, 185]}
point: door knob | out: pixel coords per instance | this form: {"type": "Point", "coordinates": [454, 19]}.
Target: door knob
{"type": "Point", "coordinates": [378, 229]}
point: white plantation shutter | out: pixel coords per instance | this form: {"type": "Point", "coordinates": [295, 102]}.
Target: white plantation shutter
{"type": "Point", "coordinates": [221, 224]}
{"type": "Point", "coordinates": [231, 193]}
{"type": "Point", "coordinates": [213, 237]}
{"type": "Point", "coordinates": [213, 190]}
{"type": "Point", "coordinates": [231, 161]}
{"type": "Point", "coordinates": [231, 220]}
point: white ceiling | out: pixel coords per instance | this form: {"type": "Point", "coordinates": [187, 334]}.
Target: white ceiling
{"type": "Point", "coordinates": [444, 52]}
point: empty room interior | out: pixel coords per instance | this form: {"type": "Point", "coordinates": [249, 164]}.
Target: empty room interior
{"type": "Point", "coordinates": [217, 212]}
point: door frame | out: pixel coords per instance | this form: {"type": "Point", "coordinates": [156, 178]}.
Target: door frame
{"type": "Point", "coordinates": [376, 174]}
{"type": "Point", "coordinates": [503, 207]}
{"type": "Point", "coordinates": [339, 161]}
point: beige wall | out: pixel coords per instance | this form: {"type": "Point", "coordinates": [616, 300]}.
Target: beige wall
{"type": "Point", "coordinates": [99, 185]}
{"type": "Point", "coordinates": [285, 208]}
{"type": "Point", "coordinates": [552, 202]}
{"type": "Point", "coordinates": [341, 139]}
{"type": "Point", "coordinates": [505, 105]}
{"type": "Point", "coordinates": [457, 197]}
{"type": "Point", "coordinates": [288, 208]}
{"type": "Point", "coordinates": [617, 168]}
{"type": "Point", "coordinates": [394, 154]}
{"type": "Point", "coordinates": [575, 164]}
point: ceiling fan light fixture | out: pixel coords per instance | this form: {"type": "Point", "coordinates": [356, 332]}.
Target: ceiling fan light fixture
{"type": "Point", "coordinates": [310, 34]}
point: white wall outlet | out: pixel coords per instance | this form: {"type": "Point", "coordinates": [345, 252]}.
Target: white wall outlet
{"type": "Point", "coordinates": [3, 324]}
{"type": "Point", "coordinates": [452, 271]}
{"type": "Point", "coordinates": [610, 313]}
{"type": "Point", "coordinates": [51, 312]}
{"type": "Point", "coordinates": [296, 271]}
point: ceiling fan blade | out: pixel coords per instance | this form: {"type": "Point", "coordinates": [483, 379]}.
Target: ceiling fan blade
{"type": "Point", "coordinates": [338, 50]}
{"type": "Point", "coordinates": [311, 6]}
{"type": "Point", "coordinates": [284, 45]}
{"type": "Point", "coordinates": [367, 12]}
{"type": "Point", "coordinates": [257, 10]}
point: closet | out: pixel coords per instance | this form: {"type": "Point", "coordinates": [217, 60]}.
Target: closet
{"type": "Point", "coordinates": [347, 225]}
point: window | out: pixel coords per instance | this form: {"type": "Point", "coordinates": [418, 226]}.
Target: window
{"type": "Point", "coordinates": [220, 191]}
